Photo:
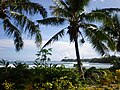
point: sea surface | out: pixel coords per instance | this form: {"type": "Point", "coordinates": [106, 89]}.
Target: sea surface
{"type": "Point", "coordinates": [68, 64]}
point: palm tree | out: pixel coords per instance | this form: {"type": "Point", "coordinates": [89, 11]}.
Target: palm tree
{"type": "Point", "coordinates": [114, 33]}
{"type": "Point", "coordinates": [80, 25]}
{"type": "Point", "coordinates": [13, 14]}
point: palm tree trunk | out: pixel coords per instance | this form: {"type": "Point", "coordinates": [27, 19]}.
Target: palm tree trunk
{"type": "Point", "coordinates": [118, 42]}
{"type": "Point", "coordinates": [79, 63]}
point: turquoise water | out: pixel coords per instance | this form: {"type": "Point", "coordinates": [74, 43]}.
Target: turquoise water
{"type": "Point", "coordinates": [70, 64]}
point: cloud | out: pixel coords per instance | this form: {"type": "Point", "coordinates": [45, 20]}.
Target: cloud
{"type": "Point", "coordinates": [9, 43]}
{"type": "Point", "coordinates": [1, 48]}
{"type": "Point", "coordinates": [6, 43]}
{"type": "Point", "coordinates": [60, 50]}
{"type": "Point", "coordinates": [65, 49]}
{"type": "Point", "coordinates": [100, 0]}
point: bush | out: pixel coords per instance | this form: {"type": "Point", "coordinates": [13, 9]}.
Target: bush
{"type": "Point", "coordinates": [53, 78]}
{"type": "Point", "coordinates": [116, 63]}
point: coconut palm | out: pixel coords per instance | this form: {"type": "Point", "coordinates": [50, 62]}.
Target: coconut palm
{"type": "Point", "coordinates": [80, 25]}
{"type": "Point", "coordinates": [114, 33]}
{"type": "Point", "coordinates": [13, 14]}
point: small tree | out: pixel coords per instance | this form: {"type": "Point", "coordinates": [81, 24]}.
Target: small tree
{"type": "Point", "coordinates": [43, 56]}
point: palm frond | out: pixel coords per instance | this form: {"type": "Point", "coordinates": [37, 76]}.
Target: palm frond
{"type": "Point", "coordinates": [38, 38]}
{"type": "Point", "coordinates": [99, 46]}
{"type": "Point", "coordinates": [107, 39]}
{"type": "Point", "coordinates": [99, 17]}
{"type": "Point", "coordinates": [24, 22]}
{"type": "Point", "coordinates": [60, 12]}
{"type": "Point", "coordinates": [60, 4]}
{"type": "Point", "coordinates": [30, 8]}
{"type": "Point", "coordinates": [51, 21]}
{"type": "Point", "coordinates": [88, 26]}
{"type": "Point", "coordinates": [114, 33]}
{"type": "Point", "coordinates": [15, 11]}
{"type": "Point", "coordinates": [11, 30]}
{"type": "Point", "coordinates": [27, 26]}
{"type": "Point", "coordinates": [108, 10]}
{"type": "Point", "coordinates": [100, 41]}
{"type": "Point", "coordinates": [82, 4]}
{"type": "Point", "coordinates": [58, 35]}
{"type": "Point", "coordinates": [72, 4]}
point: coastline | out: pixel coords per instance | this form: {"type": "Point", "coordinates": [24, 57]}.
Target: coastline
{"type": "Point", "coordinates": [67, 64]}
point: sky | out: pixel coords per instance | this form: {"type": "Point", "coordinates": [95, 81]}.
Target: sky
{"type": "Point", "coordinates": [61, 49]}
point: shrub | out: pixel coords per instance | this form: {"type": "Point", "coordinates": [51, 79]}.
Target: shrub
{"type": "Point", "coordinates": [116, 63]}
{"type": "Point", "coordinates": [8, 85]}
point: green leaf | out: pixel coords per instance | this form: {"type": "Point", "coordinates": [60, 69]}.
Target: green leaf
{"type": "Point", "coordinates": [52, 21]}
{"type": "Point", "coordinates": [60, 34]}
{"type": "Point", "coordinates": [11, 30]}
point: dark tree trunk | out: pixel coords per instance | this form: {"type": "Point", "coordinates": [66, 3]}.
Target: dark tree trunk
{"type": "Point", "coordinates": [79, 63]}
{"type": "Point", "coordinates": [118, 42]}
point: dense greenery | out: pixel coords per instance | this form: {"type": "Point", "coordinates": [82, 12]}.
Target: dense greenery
{"type": "Point", "coordinates": [116, 63]}
{"type": "Point", "coordinates": [108, 59]}
{"type": "Point", "coordinates": [51, 77]}
{"type": "Point", "coordinates": [21, 77]}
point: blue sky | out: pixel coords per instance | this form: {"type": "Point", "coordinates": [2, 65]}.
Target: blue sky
{"type": "Point", "coordinates": [61, 48]}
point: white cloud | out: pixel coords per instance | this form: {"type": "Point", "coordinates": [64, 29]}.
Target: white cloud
{"type": "Point", "coordinates": [6, 43]}
{"type": "Point", "coordinates": [65, 49]}
{"type": "Point", "coordinates": [29, 44]}
{"type": "Point", "coordinates": [60, 50]}
{"type": "Point", "coordinates": [1, 48]}
{"type": "Point", "coordinates": [9, 43]}
{"type": "Point", "coordinates": [100, 0]}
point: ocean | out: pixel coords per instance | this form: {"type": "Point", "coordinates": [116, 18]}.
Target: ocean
{"type": "Point", "coordinates": [68, 64]}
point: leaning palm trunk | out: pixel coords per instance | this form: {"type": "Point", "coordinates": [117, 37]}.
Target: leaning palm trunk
{"type": "Point", "coordinates": [79, 63]}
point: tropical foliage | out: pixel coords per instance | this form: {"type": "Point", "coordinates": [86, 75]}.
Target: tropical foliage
{"type": "Point", "coordinates": [20, 77]}
{"type": "Point", "coordinates": [115, 63]}
{"type": "Point", "coordinates": [114, 33]}
{"type": "Point", "coordinates": [81, 25]}
{"type": "Point", "coordinates": [15, 14]}
{"type": "Point", "coordinates": [43, 57]}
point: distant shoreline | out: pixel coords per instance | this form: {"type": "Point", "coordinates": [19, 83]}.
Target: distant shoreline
{"type": "Point", "coordinates": [94, 60]}
{"type": "Point", "coordinates": [68, 60]}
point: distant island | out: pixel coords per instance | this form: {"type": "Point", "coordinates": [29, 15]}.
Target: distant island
{"type": "Point", "coordinates": [68, 60]}
{"type": "Point", "coordinates": [93, 60]}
